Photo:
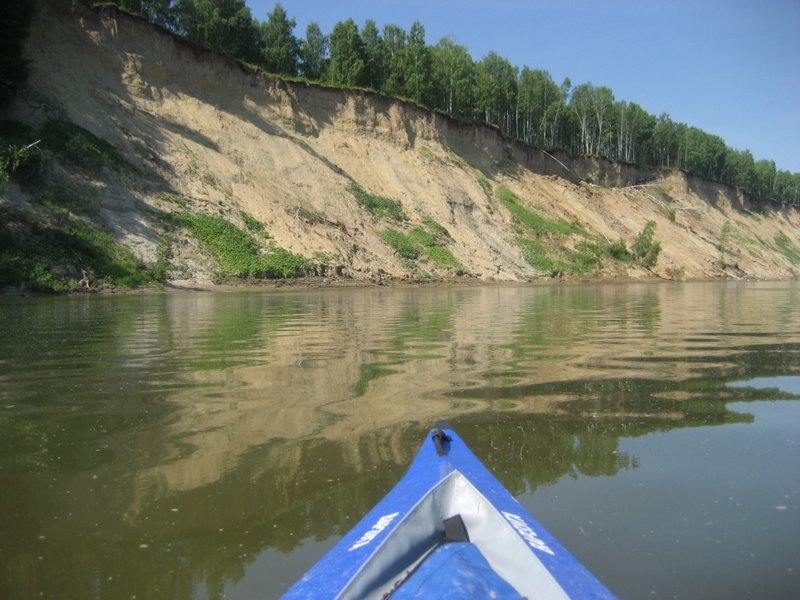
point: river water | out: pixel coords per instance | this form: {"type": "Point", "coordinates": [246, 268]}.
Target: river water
{"type": "Point", "coordinates": [215, 445]}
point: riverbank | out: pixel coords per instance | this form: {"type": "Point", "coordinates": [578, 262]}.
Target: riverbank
{"type": "Point", "coordinates": [165, 164]}
{"type": "Point", "coordinates": [301, 284]}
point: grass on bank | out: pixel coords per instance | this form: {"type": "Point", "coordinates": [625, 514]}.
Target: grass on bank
{"type": "Point", "coordinates": [540, 238]}
{"type": "Point", "coordinates": [785, 247]}
{"type": "Point", "coordinates": [72, 255]}
{"type": "Point", "coordinates": [379, 206]}
{"type": "Point", "coordinates": [237, 253]}
{"type": "Point", "coordinates": [80, 146]}
{"type": "Point", "coordinates": [428, 240]}
{"type": "Point", "coordinates": [534, 222]}
{"type": "Point", "coordinates": [59, 245]}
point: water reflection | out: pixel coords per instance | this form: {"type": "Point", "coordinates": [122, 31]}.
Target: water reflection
{"type": "Point", "coordinates": [183, 435]}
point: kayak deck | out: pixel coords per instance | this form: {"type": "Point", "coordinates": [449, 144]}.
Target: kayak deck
{"type": "Point", "coordinates": [455, 570]}
{"type": "Point", "coordinates": [448, 529]}
{"type": "Point", "coordinates": [422, 530]}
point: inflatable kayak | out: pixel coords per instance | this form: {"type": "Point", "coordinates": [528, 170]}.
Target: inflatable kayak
{"type": "Point", "coordinates": [448, 529]}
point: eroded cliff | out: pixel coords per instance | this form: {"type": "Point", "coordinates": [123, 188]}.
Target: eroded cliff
{"type": "Point", "coordinates": [198, 132]}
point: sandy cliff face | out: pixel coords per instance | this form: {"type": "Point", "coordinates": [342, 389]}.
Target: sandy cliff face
{"type": "Point", "coordinates": [226, 139]}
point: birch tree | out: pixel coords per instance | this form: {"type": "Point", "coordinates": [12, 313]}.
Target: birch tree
{"type": "Point", "coordinates": [394, 46]}
{"type": "Point", "coordinates": [373, 50]}
{"type": "Point", "coordinates": [418, 66]}
{"type": "Point", "coordinates": [281, 47]}
{"type": "Point", "coordinates": [348, 61]}
{"type": "Point", "coordinates": [225, 26]}
{"type": "Point", "coordinates": [496, 89]}
{"type": "Point", "coordinates": [581, 104]}
{"type": "Point", "coordinates": [314, 52]}
{"type": "Point", "coordinates": [453, 78]}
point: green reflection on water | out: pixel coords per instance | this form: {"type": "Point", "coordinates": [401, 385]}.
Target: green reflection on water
{"type": "Point", "coordinates": [184, 435]}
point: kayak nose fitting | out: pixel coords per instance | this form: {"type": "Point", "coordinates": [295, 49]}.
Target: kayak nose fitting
{"type": "Point", "coordinates": [441, 440]}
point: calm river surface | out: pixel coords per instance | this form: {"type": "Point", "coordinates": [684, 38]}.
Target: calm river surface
{"type": "Point", "coordinates": [214, 445]}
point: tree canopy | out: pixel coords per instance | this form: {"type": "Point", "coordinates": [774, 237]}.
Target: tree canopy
{"type": "Point", "coordinates": [525, 103]}
{"type": "Point", "coordinates": [281, 53]}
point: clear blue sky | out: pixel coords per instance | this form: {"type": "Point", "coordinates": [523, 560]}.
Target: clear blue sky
{"type": "Point", "coordinates": [729, 67]}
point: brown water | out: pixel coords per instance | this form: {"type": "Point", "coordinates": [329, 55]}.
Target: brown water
{"type": "Point", "coordinates": [210, 445]}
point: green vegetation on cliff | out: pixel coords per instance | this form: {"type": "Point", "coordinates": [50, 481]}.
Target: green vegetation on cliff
{"type": "Point", "coordinates": [379, 206]}
{"type": "Point", "coordinates": [237, 253]}
{"type": "Point", "coordinates": [65, 253]}
{"type": "Point", "coordinates": [60, 244]}
{"type": "Point", "coordinates": [543, 241]}
{"type": "Point", "coordinates": [420, 241]}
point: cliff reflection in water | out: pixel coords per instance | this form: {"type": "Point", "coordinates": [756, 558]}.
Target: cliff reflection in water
{"type": "Point", "coordinates": [183, 435]}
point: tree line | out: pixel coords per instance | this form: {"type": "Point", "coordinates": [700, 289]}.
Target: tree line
{"type": "Point", "coordinates": [525, 103]}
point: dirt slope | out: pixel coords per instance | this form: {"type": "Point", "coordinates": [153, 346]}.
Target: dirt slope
{"type": "Point", "coordinates": [205, 133]}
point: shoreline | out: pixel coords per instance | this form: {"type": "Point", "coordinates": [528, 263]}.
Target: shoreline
{"type": "Point", "coordinates": [323, 283]}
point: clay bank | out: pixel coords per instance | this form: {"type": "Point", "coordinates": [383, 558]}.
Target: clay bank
{"type": "Point", "coordinates": [202, 170]}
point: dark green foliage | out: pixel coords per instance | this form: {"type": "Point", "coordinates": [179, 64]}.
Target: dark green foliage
{"type": "Point", "coordinates": [646, 248]}
{"type": "Point", "coordinates": [418, 66]}
{"type": "Point", "coordinates": [495, 90]}
{"type": "Point", "coordinates": [453, 84]}
{"type": "Point", "coordinates": [586, 258]}
{"type": "Point", "coordinates": [155, 11]}
{"type": "Point", "coordinates": [724, 238]}
{"type": "Point", "coordinates": [619, 251]}
{"type": "Point", "coordinates": [537, 256]}
{"type": "Point", "coordinates": [19, 156]}
{"type": "Point", "coordinates": [225, 26]}
{"type": "Point", "coordinates": [423, 238]}
{"type": "Point", "coordinates": [160, 269]}
{"type": "Point", "coordinates": [42, 257]}
{"type": "Point", "coordinates": [281, 48]}
{"type": "Point", "coordinates": [348, 63]}
{"type": "Point", "coordinates": [11, 159]}
{"type": "Point", "coordinates": [313, 52]}
{"type": "Point", "coordinates": [379, 206]}
{"type": "Point", "coordinates": [558, 260]}
{"type": "Point", "coordinates": [442, 256]}
{"type": "Point", "coordinates": [374, 53]}
{"type": "Point", "coordinates": [79, 146]}
{"type": "Point", "coordinates": [436, 229]}
{"type": "Point", "coordinates": [280, 263]}
{"type": "Point", "coordinates": [540, 239]}
{"type": "Point", "coordinates": [254, 225]}
{"type": "Point", "coordinates": [15, 21]}
{"type": "Point", "coordinates": [392, 61]}
{"type": "Point", "coordinates": [432, 243]}
{"type": "Point", "coordinates": [237, 253]}
{"type": "Point", "coordinates": [65, 201]}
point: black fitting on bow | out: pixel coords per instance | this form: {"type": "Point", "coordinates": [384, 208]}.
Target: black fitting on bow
{"type": "Point", "coordinates": [441, 441]}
